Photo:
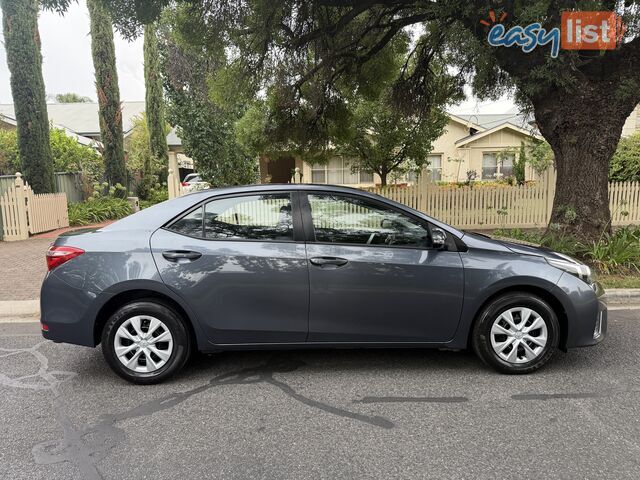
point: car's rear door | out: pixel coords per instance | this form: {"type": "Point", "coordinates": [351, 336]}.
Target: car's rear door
{"type": "Point", "coordinates": [373, 275]}
{"type": "Point", "coordinates": [239, 262]}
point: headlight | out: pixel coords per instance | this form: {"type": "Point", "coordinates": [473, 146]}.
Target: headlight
{"type": "Point", "coordinates": [571, 266]}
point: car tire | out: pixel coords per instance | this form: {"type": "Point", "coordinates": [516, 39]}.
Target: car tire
{"type": "Point", "coordinates": [161, 352]}
{"type": "Point", "coordinates": [508, 334]}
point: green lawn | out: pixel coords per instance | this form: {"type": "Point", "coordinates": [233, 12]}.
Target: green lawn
{"type": "Point", "coordinates": [619, 281]}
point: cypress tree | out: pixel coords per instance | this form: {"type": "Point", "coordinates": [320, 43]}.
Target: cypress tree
{"type": "Point", "coordinates": [154, 101]}
{"type": "Point", "coordinates": [22, 43]}
{"type": "Point", "coordinates": [110, 110]}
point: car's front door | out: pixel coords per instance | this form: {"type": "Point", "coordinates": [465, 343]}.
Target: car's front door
{"type": "Point", "coordinates": [240, 263]}
{"type": "Point", "coordinates": [374, 276]}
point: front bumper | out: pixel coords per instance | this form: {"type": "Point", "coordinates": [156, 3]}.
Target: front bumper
{"type": "Point", "coordinates": [586, 311]}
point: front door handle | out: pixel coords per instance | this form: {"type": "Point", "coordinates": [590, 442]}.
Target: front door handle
{"type": "Point", "coordinates": [177, 255]}
{"type": "Point", "coordinates": [328, 262]}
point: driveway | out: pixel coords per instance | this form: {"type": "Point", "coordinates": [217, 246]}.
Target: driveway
{"type": "Point", "coordinates": [321, 414]}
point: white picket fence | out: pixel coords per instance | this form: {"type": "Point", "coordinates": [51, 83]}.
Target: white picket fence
{"type": "Point", "coordinates": [504, 206]}
{"type": "Point", "coordinates": [24, 212]}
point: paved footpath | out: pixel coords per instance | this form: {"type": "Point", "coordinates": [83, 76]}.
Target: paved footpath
{"type": "Point", "coordinates": [22, 268]}
{"type": "Point", "coordinates": [321, 414]}
{"type": "Point", "coordinates": [23, 265]}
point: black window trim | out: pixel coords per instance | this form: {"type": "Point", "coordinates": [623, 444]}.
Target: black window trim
{"type": "Point", "coordinates": [309, 229]}
{"type": "Point", "coordinates": [296, 215]}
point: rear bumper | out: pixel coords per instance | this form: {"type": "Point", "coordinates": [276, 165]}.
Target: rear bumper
{"type": "Point", "coordinates": [68, 312]}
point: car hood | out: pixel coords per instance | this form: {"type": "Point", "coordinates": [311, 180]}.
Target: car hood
{"type": "Point", "coordinates": [520, 248]}
{"type": "Point", "coordinates": [531, 249]}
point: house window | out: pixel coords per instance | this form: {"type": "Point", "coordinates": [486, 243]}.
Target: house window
{"type": "Point", "coordinates": [489, 166]}
{"type": "Point", "coordinates": [319, 174]}
{"type": "Point", "coordinates": [506, 166]}
{"type": "Point", "coordinates": [435, 167]}
{"type": "Point", "coordinates": [494, 167]}
{"type": "Point", "coordinates": [338, 171]}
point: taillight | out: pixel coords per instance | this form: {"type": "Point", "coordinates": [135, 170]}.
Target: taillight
{"type": "Point", "coordinates": [56, 256]}
{"type": "Point", "coordinates": [184, 184]}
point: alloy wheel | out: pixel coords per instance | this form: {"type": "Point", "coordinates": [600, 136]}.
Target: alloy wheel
{"type": "Point", "coordinates": [143, 344]}
{"type": "Point", "coordinates": [519, 335]}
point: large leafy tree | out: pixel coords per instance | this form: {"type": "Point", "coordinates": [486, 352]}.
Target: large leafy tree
{"type": "Point", "coordinates": [154, 103]}
{"type": "Point", "coordinates": [307, 48]}
{"type": "Point", "coordinates": [388, 142]}
{"type": "Point", "coordinates": [206, 129]}
{"type": "Point", "coordinates": [22, 44]}
{"type": "Point", "coordinates": [108, 91]}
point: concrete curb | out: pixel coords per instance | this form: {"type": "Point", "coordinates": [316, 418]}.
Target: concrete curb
{"type": "Point", "coordinates": [616, 297]}
{"type": "Point", "coordinates": [621, 296]}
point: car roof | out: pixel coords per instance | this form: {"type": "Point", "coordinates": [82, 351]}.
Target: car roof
{"type": "Point", "coordinates": [159, 214]}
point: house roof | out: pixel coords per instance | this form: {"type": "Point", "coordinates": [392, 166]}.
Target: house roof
{"type": "Point", "coordinates": [82, 140]}
{"type": "Point", "coordinates": [466, 122]}
{"type": "Point", "coordinates": [82, 118]}
{"type": "Point", "coordinates": [472, 138]}
{"type": "Point", "coordinates": [491, 120]}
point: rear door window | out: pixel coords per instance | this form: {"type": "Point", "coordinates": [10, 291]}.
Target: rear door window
{"type": "Point", "coordinates": [252, 217]}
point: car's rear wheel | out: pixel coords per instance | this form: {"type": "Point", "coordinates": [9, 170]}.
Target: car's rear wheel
{"type": "Point", "coordinates": [145, 342]}
{"type": "Point", "coordinates": [516, 333]}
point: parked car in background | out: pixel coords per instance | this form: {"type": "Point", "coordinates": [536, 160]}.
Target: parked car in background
{"type": "Point", "coordinates": [308, 266]}
{"type": "Point", "coordinates": [193, 182]}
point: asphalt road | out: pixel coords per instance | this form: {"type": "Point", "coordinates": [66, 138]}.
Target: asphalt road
{"type": "Point", "coordinates": [321, 414]}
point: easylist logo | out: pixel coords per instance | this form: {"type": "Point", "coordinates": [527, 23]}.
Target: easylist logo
{"type": "Point", "coordinates": [579, 31]}
{"type": "Point", "coordinates": [591, 30]}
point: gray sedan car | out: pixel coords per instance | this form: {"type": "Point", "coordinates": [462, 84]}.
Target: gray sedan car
{"type": "Point", "coordinates": [308, 266]}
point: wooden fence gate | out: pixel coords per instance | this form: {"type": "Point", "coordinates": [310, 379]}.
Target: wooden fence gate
{"type": "Point", "coordinates": [23, 212]}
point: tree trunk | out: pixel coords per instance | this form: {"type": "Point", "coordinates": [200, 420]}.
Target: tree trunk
{"type": "Point", "coordinates": [22, 43]}
{"type": "Point", "coordinates": [110, 110]}
{"type": "Point", "coordinates": [583, 130]}
{"type": "Point", "coordinates": [383, 179]}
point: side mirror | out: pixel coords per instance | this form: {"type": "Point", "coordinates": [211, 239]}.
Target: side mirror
{"type": "Point", "coordinates": [438, 238]}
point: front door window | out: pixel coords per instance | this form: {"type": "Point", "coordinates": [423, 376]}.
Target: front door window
{"type": "Point", "coordinates": [351, 220]}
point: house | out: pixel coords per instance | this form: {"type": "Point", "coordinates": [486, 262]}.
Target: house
{"type": "Point", "coordinates": [632, 124]}
{"type": "Point", "coordinates": [485, 144]}
{"type": "Point", "coordinates": [81, 119]}
{"type": "Point", "coordinates": [9, 123]}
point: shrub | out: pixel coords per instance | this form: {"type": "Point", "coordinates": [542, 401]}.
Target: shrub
{"type": "Point", "coordinates": [615, 253]}
{"type": "Point", "coordinates": [618, 252]}
{"type": "Point", "coordinates": [625, 164]}
{"type": "Point", "coordinates": [100, 206]}
{"type": "Point", "coordinates": [563, 243]}
{"type": "Point", "coordinates": [68, 154]}
{"type": "Point", "coordinates": [96, 210]}
{"type": "Point", "coordinates": [519, 234]}
{"type": "Point", "coordinates": [156, 195]}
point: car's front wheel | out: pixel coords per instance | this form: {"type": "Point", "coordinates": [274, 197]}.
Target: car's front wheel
{"type": "Point", "coordinates": [145, 342]}
{"type": "Point", "coordinates": [516, 333]}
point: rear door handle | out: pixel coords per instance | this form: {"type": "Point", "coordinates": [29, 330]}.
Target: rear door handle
{"type": "Point", "coordinates": [328, 262]}
{"type": "Point", "coordinates": [177, 255]}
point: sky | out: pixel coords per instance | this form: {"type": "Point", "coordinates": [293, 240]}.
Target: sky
{"type": "Point", "coordinates": [66, 58]}
{"type": "Point", "coordinates": [67, 64]}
